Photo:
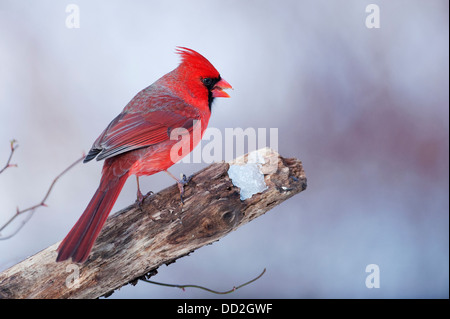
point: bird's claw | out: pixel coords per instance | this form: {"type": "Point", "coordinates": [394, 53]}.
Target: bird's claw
{"type": "Point", "coordinates": [181, 183]}
{"type": "Point", "coordinates": [140, 198]}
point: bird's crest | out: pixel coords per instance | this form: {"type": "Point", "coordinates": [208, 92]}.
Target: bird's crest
{"type": "Point", "coordinates": [194, 59]}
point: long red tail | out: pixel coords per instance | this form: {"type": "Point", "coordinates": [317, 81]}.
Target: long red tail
{"type": "Point", "coordinates": [79, 241]}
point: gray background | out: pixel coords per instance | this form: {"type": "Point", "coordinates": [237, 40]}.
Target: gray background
{"type": "Point", "coordinates": [366, 110]}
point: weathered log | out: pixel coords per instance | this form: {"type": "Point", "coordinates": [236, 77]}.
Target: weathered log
{"type": "Point", "coordinates": [137, 240]}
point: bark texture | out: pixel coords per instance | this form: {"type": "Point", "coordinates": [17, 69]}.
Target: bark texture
{"type": "Point", "coordinates": [137, 240]}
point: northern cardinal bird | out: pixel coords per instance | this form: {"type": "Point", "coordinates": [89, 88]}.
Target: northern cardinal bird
{"type": "Point", "coordinates": [137, 142]}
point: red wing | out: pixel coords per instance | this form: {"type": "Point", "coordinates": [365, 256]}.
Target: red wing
{"type": "Point", "coordinates": [130, 131]}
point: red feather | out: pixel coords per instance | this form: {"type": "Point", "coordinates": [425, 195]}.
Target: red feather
{"type": "Point", "coordinates": [137, 141]}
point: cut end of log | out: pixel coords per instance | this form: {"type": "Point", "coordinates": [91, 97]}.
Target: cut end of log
{"type": "Point", "coordinates": [253, 172]}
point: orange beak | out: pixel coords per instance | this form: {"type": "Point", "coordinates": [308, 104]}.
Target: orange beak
{"type": "Point", "coordinates": [217, 90]}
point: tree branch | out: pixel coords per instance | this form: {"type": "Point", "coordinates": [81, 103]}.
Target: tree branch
{"type": "Point", "coordinates": [8, 164]}
{"type": "Point", "coordinates": [33, 208]}
{"type": "Point", "coordinates": [183, 287]}
{"type": "Point", "coordinates": [136, 241]}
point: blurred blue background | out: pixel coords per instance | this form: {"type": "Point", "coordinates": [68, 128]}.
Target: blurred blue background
{"type": "Point", "coordinates": [366, 110]}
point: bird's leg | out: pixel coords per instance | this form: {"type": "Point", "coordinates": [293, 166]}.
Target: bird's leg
{"type": "Point", "coordinates": [181, 183]}
{"type": "Point", "coordinates": [140, 198]}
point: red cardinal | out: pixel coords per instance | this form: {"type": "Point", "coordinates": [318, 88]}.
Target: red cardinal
{"type": "Point", "coordinates": [137, 142]}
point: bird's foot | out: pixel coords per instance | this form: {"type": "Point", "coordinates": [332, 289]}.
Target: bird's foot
{"type": "Point", "coordinates": [140, 198]}
{"type": "Point", "coordinates": [181, 183]}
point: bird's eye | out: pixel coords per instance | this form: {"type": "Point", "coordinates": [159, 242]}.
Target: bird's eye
{"type": "Point", "coordinates": [207, 82]}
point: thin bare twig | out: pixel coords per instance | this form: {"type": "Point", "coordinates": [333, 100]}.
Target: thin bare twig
{"type": "Point", "coordinates": [182, 287]}
{"type": "Point", "coordinates": [8, 164]}
{"type": "Point", "coordinates": [33, 208]}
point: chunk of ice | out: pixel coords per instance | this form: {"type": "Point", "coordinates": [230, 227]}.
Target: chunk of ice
{"type": "Point", "coordinates": [248, 178]}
